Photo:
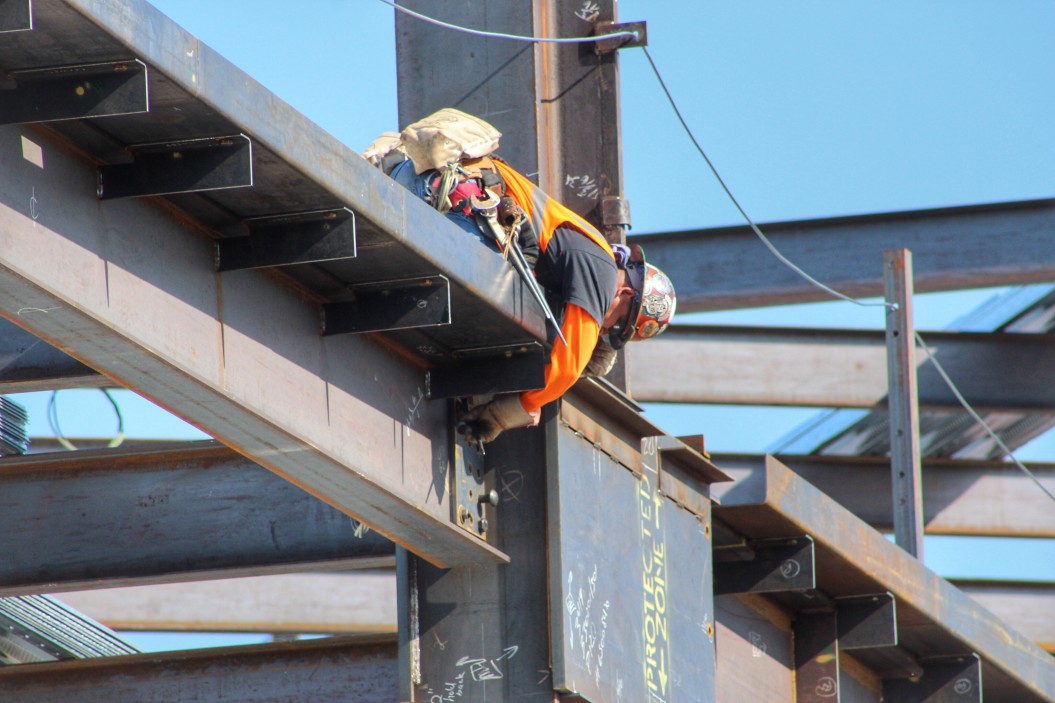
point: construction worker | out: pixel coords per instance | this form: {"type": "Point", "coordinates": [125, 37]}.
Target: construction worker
{"type": "Point", "coordinates": [602, 295]}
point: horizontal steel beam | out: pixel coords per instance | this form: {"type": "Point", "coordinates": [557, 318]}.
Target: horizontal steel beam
{"type": "Point", "coordinates": [953, 248]}
{"type": "Point", "coordinates": [130, 291]}
{"type": "Point", "coordinates": [960, 497]}
{"type": "Point", "coordinates": [336, 669]}
{"type": "Point", "coordinates": [349, 603]}
{"type": "Point", "coordinates": [840, 368]}
{"type": "Point", "coordinates": [1029, 607]}
{"type": "Point", "coordinates": [151, 515]}
{"type": "Point", "coordinates": [934, 618]}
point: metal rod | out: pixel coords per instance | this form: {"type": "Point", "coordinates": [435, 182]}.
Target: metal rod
{"type": "Point", "coordinates": [906, 472]}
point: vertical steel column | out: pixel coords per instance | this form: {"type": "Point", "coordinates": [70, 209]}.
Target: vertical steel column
{"type": "Point", "coordinates": [903, 403]}
{"type": "Point", "coordinates": [491, 78]}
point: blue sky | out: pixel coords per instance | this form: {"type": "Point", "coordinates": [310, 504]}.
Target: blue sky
{"type": "Point", "coordinates": [808, 109]}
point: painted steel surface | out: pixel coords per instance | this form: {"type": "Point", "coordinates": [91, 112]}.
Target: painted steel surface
{"type": "Point", "coordinates": [630, 582]}
{"type": "Point", "coordinates": [180, 512]}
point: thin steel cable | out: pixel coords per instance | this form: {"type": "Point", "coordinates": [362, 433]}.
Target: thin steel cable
{"type": "Point", "coordinates": [758, 232]}
{"type": "Point", "coordinates": [513, 37]}
{"type": "Point", "coordinates": [978, 418]}
{"type": "Point", "coordinates": [60, 437]}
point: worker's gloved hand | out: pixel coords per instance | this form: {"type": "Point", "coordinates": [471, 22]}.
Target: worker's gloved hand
{"type": "Point", "coordinates": [485, 422]}
{"type": "Point", "coordinates": [528, 241]}
{"type": "Point", "coordinates": [602, 360]}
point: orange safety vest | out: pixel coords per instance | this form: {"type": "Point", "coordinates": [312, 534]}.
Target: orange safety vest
{"type": "Point", "coordinates": [581, 330]}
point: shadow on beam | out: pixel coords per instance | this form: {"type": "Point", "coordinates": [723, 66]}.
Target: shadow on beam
{"type": "Point", "coordinates": [181, 512]}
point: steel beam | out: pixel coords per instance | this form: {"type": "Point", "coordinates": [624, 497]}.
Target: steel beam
{"type": "Point", "coordinates": [840, 368]}
{"type": "Point", "coordinates": [1027, 606]}
{"type": "Point", "coordinates": [960, 497]}
{"type": "Point", "coordinates": [27, 363]}
{"type": "Point", "coordinates": [76, 92]}
{"type": "Point", "coordinates": [104, 518]}
{"type": "Point", "coordinates": [934, 618]}
{"type": "Point", "coordinates": [358, 603]}
{"type": "Point", "coordinates": [130, 291]}
{"type": "Point", "coordinates": [903, 403]}
{"type": "Point", "coordinates": [337, 669]}
{"type": "Point", "coordinates": [292, 238]}
{"type": "Point", "coordinates": [955, 248]}
{"type": "Point", "coordinates": [16, 15]}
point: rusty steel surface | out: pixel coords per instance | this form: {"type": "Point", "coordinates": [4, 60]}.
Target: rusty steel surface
{"type": "Point", "coordinates": [333, 670]}
{"type": "Point", "coordinates": [479, 633]}
{"type": "Point", "coordinates": [934, 618]}
{"type": "Point", "coordinates": [631, 609]}
{"type": "Point", "coordinates": [237, 356]}
{"type": "Point", "coordinates": [955, 248]}
{"type": "Point", "coordinates": [960, 496]}
{"type": "Point", "coordinates": [153, 515]}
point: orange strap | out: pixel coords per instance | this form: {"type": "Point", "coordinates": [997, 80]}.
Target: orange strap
{"type": "Point", "coordinates": [566, 363]}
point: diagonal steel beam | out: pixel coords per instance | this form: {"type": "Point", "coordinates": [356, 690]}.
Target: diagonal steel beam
{"type": "Point", "coordinates": [934, 618]}
{"type": "Point", "coordinates": [954, 248]}
{"type": "Point", "coordinates": [152, 515]}
{"type": "Point", "coordinates": [960, 497]}
{"type": "Point", "coordinates": [840, 368]}
{"type": "Point", "coordinates": [129, 290]}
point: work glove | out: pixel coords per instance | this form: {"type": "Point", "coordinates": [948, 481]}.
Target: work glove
{"type": "Point", "coordinates": [602, 360]}
{"type": "Point", "coordinates": [485, 422]}
{"type": "Point", "coordinates": [528, 241]}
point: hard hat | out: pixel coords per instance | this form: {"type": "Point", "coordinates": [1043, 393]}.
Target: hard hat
{"type": "Point", "coordinates": [652, 307]}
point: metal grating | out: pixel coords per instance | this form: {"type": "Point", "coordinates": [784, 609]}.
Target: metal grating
{"type": "Point", "coordinates": [40, 629]}
{"type": "Point", "coordinates": [1028, 309]}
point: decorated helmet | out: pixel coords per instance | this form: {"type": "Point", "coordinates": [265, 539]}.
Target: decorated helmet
{"type": "Point", "coordinates": [652, 307]}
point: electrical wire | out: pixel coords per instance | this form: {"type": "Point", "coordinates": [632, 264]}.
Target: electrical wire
{"type": "Point", "coordinates": [754, 228]}
{"type": "Point", "coordinates": [513, 37]}
{"type": "Point", "coordinates": [60, 437]}
{"type": "Point", "coordinates": [932, 358]}
{"type": "Point", "coordinates": [758, 232]}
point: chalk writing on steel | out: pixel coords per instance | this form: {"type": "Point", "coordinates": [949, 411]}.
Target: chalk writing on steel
{"type": "Point", "coordinates": [473, 670]}
{"type": "Point", "coordinates": [589, 11]}
{"type": "Point", "coordinates": [584, 186]}
{"type": "Point", "coordinates": [962, 687]}
{"type": "Point", "coordinates": [654, 580]}
{"type": "Point", "coordinates": [758, 644]}
{"type": "Point", "coordinates": [413, 413]}
{"type": "Point", "coordinates": [588, 620]}
{"type": "Point", "coordinates": [827, 687]}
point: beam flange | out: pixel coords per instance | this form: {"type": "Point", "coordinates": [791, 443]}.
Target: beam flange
{"type": "Point", "coordinates": [75, 92]}
{"type": "Point", "coordinates": [16, 15]}
{"type": "Point", "coordinates": [391, 305]}
{"type": "Point", "coordinates": [185, 166]}
{"type": "Point", "coordinates": [778, 565]}
{"type": "Point", "coordinates": [294, 238]}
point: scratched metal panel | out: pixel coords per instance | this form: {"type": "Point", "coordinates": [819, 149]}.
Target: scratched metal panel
{"type": "Point", "coordinates": [479, 631]}
{"type": "Point", "coordinates": [754, 655]}
{"type": "Point", "coordinates": [629, 583]}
